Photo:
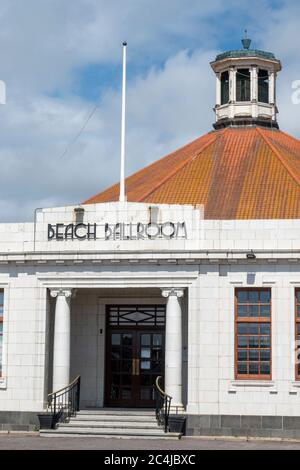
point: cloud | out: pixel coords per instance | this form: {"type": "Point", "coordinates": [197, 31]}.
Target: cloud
{"type": "Point", "coordinates": [170, 90]}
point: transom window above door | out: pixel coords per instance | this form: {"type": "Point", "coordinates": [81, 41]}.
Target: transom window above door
{"type": "Point", "coordinates": [135, 315]}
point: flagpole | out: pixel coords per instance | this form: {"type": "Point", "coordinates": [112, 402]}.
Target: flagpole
{"type": "Point", "coordinates": [122, 168]}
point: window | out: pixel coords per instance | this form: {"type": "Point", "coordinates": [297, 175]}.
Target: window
{"type": "Point", "coordinates": [263, 86]}
{"type": "Point", "coordinates": [253, 334]}
{"type": "Point", "coordinates": [243, 85]}
{"type": "Point", "coordinates": [1, 328]}
{"type": "Point", "coordinates": [224, 87]}
{"type": "Point", "coordinates": [297, 333]}
{"type": "Point", "coordinates": [134, 315]}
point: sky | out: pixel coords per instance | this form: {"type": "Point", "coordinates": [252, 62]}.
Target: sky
{"type": "Point", "coordinates": [59, 59]}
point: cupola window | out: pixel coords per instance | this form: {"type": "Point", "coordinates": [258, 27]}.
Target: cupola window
{"type": "Point", "coordinates": [243, 85]}
{"type": "Point", "coordinates": [224, 87]}
{"type": "Point", "coordinates": [263, 86]}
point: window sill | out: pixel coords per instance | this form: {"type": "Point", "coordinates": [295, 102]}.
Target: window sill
{"type": "Point", "coordinates": [252, 383]}
{"type": "Point", "coordinates": [3, 383]}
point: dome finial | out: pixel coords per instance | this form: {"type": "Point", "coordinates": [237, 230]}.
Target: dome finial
{"type": "Point", "coordinates": [246, 41]}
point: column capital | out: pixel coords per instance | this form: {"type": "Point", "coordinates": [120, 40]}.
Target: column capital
{"type": "Point", "coordinates": [178, 292]}
{"type": "Point", "coordinates": [64, 292]}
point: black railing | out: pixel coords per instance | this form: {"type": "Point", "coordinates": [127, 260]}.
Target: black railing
{"type": "Point", "coordinates": [162, 405]}
{"type": "Point", "coordinates": [65, 402]}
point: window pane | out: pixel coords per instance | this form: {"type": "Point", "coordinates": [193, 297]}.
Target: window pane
{"type": "Point", "coordinates": [253, 296]}
{"type": "Point", "coordinates": [265, 328]}
{"type": "Point", "coordinates": [254, 354]}
{"type": "Point", "coordinates": [243, 85]}
{"type": "Point", "coordinates": [265, 296]}
{"type": "Point", "coordinates": [243, 328]}
{"type": "Point", "coordinates": [115, 339]}
{"type": "Point", "coordinates": [263, 86]}
{"type": "Point", "coordinates": [254, 328]}
{"type": "Point", "coordinates": [157, 340]}
{"type": "Point", "coordinates": [265, 355]}
{"type": "Point", "coordinates": [242, 355]}
{"type": "Point", "coordinates": [242, 296]}
{"type": "Point", "coordinates": [242, 368]}
{"type": "Point", "coordinates": [253, 368]}
{"type": "Point", "coordinates": [253, 310]}
{"type": "Point", "coordinates": [265, 341]}
{"type": "Point", "coordinates": [242, 341]}
{"type": "Point", "coordinates": [242, 311]}
{"type": "Point", "coordinates": [298, 311]}
{"type": "Point", "coordinates": [253, 341]}
{"type": "Point", "coordinates": [146, 340]}
{"type": "Point", "coordinates": [126, 340]}
{"type": "Point", "coordinates": [224, 87]}
{"type": "Point", "coordinates": [265, 311]}
{"type": "Point", "coordinates": [298, 296]}
{"type": "Point", "coordinates": [265, 368]}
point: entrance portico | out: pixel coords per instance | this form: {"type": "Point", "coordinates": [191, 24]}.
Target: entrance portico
{"type": "Point", "coordinates": [83, 344]}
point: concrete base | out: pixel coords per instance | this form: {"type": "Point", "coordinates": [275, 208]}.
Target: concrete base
{"type": "Point", "coordinates": [239, 425]}
{"type": "Point", "coordinates": [18, 421]}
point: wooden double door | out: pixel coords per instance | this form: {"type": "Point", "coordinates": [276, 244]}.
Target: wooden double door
{"type": "Point", "coordinates": [134, 359]}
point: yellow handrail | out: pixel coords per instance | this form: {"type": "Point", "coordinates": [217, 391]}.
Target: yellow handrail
{"type": "Point", "coordinates": [159, 388]}
{"type": "Point", "coordinates": [67, 386]}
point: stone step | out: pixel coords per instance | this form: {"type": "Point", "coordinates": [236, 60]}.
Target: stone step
{"type": "Point", "coordinates": [109, 424]}
{"type": "Point", "coordinates": [120, 433]}
{"type": "Point", "coordinates": [111, 418]}
{"type": "Point", "coordinates": [116, 412]}
{"type": "Point", "coordinates": [170, 436]}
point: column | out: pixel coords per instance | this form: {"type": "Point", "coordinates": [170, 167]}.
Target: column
{"type": "Point", "coordinates": [173, 348]}
{"type": "Point", "coordinates": [218, 89]}
{"type": "Point", "coordinates": [232, 92]}
{"type": "Point", "coordinates": [62, 338]}
{"type": "Point", "coordinates": [254, 83]}
{"type": "Point", "coordinates": [272, 87]}
{"type": "Point", "coordinates": [254, 91]}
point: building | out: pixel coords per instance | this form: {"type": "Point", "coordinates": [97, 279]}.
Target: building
{"type": "Point", "coordinates": [196, 278]}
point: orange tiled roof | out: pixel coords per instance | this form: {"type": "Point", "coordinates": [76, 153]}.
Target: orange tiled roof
{"type": "Point", "coordinates": [237, 173]}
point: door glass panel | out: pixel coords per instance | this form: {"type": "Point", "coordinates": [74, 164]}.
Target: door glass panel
{"type": "Point", "coordinates": [116, 339]}
{"type": "Point", "coordinates": [146, 353]}
{"type": "Point", "coordinates": [145, 340]}
{"type": "Point", "coordinates": [157, 340]}
{"type": "Point", "coordinates": [145, 365]}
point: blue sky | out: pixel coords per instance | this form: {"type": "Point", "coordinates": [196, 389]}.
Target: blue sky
{"type": "Point", "coordinates": [59, 57]}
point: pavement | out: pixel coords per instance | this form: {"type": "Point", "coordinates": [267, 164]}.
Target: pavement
{"type": "Point", "coordinates": [23, 442]}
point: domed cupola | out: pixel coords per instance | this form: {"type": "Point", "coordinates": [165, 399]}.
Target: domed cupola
{"type": "Point", "coordinates": [246, 87]}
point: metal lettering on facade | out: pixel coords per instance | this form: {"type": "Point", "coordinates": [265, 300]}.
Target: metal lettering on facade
{"type": "Point", "coordinates": [119, 231]}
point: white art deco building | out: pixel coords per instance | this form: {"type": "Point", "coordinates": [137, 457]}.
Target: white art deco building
{"type": "Point", "coordinates": [196, 279]}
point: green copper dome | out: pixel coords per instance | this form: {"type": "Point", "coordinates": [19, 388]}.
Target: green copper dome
{"type": "Point", "coordinates": [246, 53]}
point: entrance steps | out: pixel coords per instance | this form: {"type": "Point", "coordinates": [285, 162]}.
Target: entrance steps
{"type": "Point", "coordinates": [112, 423]}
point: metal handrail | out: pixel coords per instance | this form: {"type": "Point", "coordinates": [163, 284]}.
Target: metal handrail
{"type": "Point", "coordinates": [162, 405]}
{"type": "Point", "coordinates": [65, 402]}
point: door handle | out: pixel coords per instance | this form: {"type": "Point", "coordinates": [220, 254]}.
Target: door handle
{"type": "Point", "coordinates": [135, 366]}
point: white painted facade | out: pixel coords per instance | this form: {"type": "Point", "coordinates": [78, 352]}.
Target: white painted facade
{"type": "Point", "coordinates": [195, 276]}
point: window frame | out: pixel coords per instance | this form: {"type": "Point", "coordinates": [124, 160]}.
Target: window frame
{"type": "Point", "coordinates": [297, 320]}
{"type": "Point", "coordinates": [2, 290]}
{"type": "Point", "coordinates": [240, 72]}
{"type": "Point", "coordinates": [224, 86]}
{"type": "Point", "coordinates": [258, 86]}
{"type": "Point", "coordinates": [238, 320]}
